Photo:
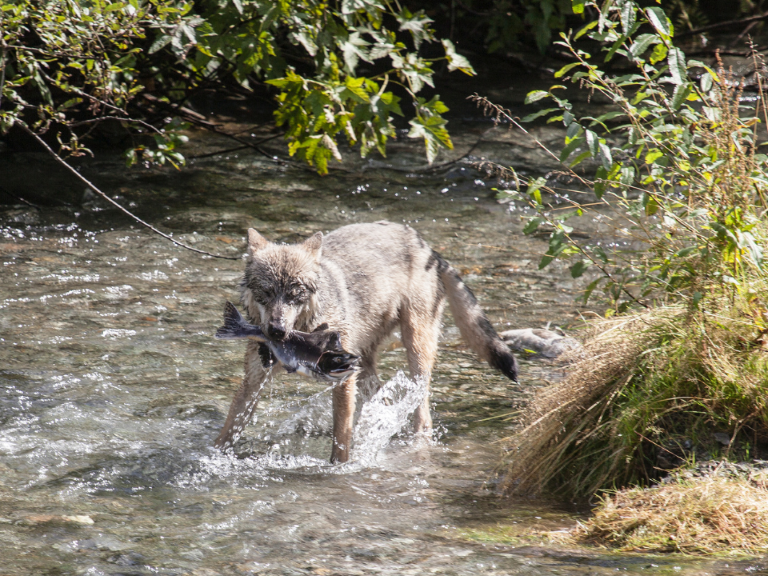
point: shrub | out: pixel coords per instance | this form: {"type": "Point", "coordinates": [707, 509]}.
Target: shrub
{"type": "Point", "coordinates": [70, 65]}
{"type": "Point", "coordinates": [674, 159]}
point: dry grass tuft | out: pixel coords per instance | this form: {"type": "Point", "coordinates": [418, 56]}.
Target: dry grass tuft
{"type": "Point", "coordinates": [701, 515]}
{"type": "Point", "coordinates": [561, 413]}
{"type": "Point", "coordinates": [646, 393]}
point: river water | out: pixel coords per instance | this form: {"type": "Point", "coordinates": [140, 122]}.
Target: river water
{"type": "Point", "coordinates": [112, 388]}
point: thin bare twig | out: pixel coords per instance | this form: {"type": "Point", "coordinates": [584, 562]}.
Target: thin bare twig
{"type": "Point", "coordinates": [707, 28]}
{"type": "Point", "coordinates": [93, 187]}
{"type": "Point", "coordinates": [19, 198]}
{"type": "Point", "coordinates": [118, 118]}
{"type": "Point", "coordinates": [2, 69]}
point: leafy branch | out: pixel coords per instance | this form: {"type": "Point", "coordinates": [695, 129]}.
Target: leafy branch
{"type": "Point", "coordinates": [676, 159]}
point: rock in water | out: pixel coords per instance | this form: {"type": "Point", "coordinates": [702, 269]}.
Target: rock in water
{"type": "Point", "coordinates": [539, 341]}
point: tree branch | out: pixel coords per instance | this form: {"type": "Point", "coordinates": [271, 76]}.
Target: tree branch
{"type": "Point", "coordinates": [757, 18]}
{"type": "Point", "coordinates": [93, 187]}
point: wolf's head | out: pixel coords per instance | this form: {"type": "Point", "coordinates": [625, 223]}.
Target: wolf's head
{"type": "Point", "coordinates": [280, 282]}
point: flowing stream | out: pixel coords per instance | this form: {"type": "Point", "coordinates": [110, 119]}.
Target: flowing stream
{"type": "Point", "coordinates": [112, 388]}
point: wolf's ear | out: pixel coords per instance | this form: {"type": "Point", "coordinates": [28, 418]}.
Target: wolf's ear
{"type": "Point", "coordinates": [256, 242]}
{"type": "Point", "coordinates": [314, 244]}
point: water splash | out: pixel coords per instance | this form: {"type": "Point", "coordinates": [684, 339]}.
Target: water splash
{"type": "Point", "coordinates": [313, 416]}
{"type": "Point", "coordinates": [252, 473]}
{"type": "Point", "coordinates": [384, 415]}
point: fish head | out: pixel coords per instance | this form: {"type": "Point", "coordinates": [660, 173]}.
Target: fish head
{"type": "Point", "coordinates": [338, 365]}
{"type": "Point", "coordinates": [280, 283]}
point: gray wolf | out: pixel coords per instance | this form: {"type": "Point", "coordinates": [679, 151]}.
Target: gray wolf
{"type": "Point", "coordinates": [317, 354]}
{"type": "Point", "coordinates": [364, 280]}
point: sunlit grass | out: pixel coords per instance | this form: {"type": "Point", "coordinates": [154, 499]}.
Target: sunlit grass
{"type": "Point", "coordinates": [647, 393]}
{"type": "Point", "coordinates": [700, 515]}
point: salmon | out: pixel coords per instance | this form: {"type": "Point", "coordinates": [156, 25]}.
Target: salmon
{"type": "Point", "coordinates": [317, 354]}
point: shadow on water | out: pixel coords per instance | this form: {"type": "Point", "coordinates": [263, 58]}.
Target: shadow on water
{"type": "Point", "coordinates": [112, 387]}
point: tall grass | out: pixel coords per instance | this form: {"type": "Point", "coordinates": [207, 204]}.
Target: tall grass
{"type": "Point", "coordinates": [647, 392]}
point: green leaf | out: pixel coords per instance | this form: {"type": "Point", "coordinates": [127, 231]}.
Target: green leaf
{"type": "Point", "coordinates": [570, 147]}
{"type": "Point", "coordinates": [533, 225]}
{"type": "Point", "coordinates": [455, 60]}
{"type": "Point", "coordinates": [535, 96]}
{"type": "Point", "coordinates": [353, 50]}
{"type": "Point", "coordinates": [600, 253]}
{"type": "Point", "coordinates": [617, 45]}
{"type": "Point", "coordinates": [593, 142]}
{"type": "Point", "coordinates": [574, 129]}
{"type": "Point", "coordinates": [604, 155]}
{"type": "Point", "coordinates": [160, 43]}
{"type": "Point", "coordinates": [534, 189]}
{"type": "Point", "coordinates": [680, 94]}
{"type": "Point", "coordinates": [565, 69]}
{"type": "Point", "coordinates": [599, 188]}
{"type": "Point", "coordinates": [697, 296]}
{"type": "Point", "coordinates": [433, 131]}
{"type": "Point", "coordinates": [580, 158]}
{"type": "Point", "coordinates": [532, 117]}
{"type": "Point", "coordinates": [417, 24]}
{"type": "Point", "coordinates": [627, 175]}
{"type": "Point", "coordinates": [627, 15]}
{"type": "Point", "coordinates": [659, 53]}
{"type": "Point", "coordinates": [685, 251]}
{"type": "Point", "coordinates": [653, 155]}
{"type": "Point", "coordinates": [658, 20]}
{"type": "Point", "coordinates": [591, 288]}
{"type": "Point", "coordinates": [585, 29]}
{"type": "Point", "coordinates": [578, 6]}
{"type": "Point", "coordinates": [651, 205]}
{"type": "Point", "coordinates": [677, 68]}
{"type": "Point", "coordinates": [642, 43]}
{"type": "Point", "coordinates": [579, 268]}
{"type": "Point", "coordinates": [357, 87]}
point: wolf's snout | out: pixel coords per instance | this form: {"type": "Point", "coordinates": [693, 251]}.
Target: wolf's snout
{"type": "Point", "coordinates": [276, 330]}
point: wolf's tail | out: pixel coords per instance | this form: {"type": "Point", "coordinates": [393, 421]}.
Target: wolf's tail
{"type": "Point", "coordinates": [234, 324]}
{"type": "Point", "coordinates": [474, 326]}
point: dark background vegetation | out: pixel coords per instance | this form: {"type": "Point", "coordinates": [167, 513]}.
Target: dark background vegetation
{"type": "Point", "coordinates": [135, 81]}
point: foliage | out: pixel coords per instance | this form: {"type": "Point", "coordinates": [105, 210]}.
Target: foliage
{"type": "Point", "coordinates": [647, 393]}
{"type": "Point", "coordinates": [70, 65]}
{"type": "Point", "coordinates": [501, 26]}
{"type": "Point", "coordinates": [496, 26]}
{"type": "Point", "coordinates": [536, 18]}
{"type": "Point", "coordinates": [675, 159]}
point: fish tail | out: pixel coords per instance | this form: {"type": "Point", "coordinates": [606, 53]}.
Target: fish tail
{"type": "Point", "coordinates": [234, 324]}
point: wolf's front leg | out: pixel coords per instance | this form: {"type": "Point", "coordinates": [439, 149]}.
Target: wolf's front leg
{"type": "Point", "coordinates": [343, 419]}
{"type": "Point", "coordinates": [257, 363]}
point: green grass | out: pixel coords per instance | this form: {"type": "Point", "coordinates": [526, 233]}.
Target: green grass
{"type": "Point", "coordinates": [647, 393]}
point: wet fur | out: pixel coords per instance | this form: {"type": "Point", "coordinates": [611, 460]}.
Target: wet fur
{"type": "Point", "coordinates": [364, 280]}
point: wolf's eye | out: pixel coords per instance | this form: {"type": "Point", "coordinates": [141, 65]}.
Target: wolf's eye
{"type": "Point", "coordinates": [296, 294]}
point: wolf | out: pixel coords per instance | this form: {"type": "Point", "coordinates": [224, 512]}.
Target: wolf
{"type": "Point", "coordinates": [363, 280]}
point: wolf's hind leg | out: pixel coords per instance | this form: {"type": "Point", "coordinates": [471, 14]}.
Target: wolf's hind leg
{"type": "Point", "coordinates": [420, 330]}
{"type": "Point", "coordinates": [343, 418]}
{"type": "Point", "coordinates": [246, 398]}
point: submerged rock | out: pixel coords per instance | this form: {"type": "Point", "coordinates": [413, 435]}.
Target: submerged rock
{"type": "Point", "coordinates": [539, 341]}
